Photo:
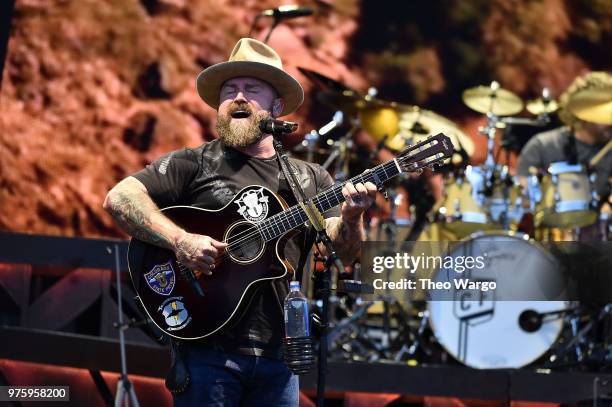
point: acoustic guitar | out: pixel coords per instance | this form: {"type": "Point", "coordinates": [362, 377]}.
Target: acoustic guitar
{"type": "Point", "coordinates": [256, 225]}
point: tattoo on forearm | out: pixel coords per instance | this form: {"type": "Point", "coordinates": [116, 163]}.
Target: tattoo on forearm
{"type": "Point", "coordinates": [347, 237]}
{"type": "Point", "coordinates": [135, 216]}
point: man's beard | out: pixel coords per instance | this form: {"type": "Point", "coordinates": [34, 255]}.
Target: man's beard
{"type": "Point", "coordinates": [243, 132]}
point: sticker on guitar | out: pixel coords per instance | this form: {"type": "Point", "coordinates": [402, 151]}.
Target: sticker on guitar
{"type": "Point", "coordinates": [161, 278]}
{"type": "Point", "coordinates": [174, 311]}
{"type": "Point", "coordinates": [253, 205]}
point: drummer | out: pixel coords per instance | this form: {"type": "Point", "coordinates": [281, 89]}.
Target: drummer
{"type": "Point", "coordinates": [576, 142]}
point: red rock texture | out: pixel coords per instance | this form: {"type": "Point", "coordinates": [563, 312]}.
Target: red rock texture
{"type": "Point", "coordinates": [94, 90]}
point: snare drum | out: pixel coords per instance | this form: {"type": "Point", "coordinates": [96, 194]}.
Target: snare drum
{"type": "Point", "coordinates": [489, 332]}
{"type": "Point", "coordinates": [563, 198]}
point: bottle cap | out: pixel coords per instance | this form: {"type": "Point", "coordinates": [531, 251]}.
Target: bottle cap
{"type": "Point", "coordinates": [294, 284]}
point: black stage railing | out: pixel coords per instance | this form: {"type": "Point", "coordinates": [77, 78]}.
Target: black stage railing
{"type": "Point", "coordinates": [145, 357]}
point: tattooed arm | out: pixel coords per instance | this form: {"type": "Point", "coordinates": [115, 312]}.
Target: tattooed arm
{"type": "Point", "coordinates": [346, 237]}
{"type": "Point", "coordinates": [346, 231]}
{"type": "Point", "coordinates": [135, 212]}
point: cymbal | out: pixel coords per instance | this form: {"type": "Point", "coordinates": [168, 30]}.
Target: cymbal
{"type": "Point", "coordinates": [404, 125]}
{"type": "Point", "coordinates": [352, 102]}
{"type": "Point", "coordinates": [379, 122]}
{"type": "Point", "coordinates": [592, 105]}
{"type": "Point", "coordinates": [485, 99]}
{"type": "Point", "coordinates": [416, 124]}
{"type": "Point", "coordinates": [324, 82]}
{"type": "Point", "coordinates": [537, 106]}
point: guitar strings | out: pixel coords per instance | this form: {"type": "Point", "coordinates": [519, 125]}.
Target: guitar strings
{"type": "Point", "coordinates": [284, 214]}
{"type": "Point", "coordinates": [253, 234]}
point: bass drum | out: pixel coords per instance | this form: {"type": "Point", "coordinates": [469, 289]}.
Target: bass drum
{"type": "Point", "coordinates": [486, 332]}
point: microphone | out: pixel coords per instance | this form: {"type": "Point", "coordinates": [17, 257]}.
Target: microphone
{"type": "Point", "coordinates": [273, 126]}
{"type": "Point", "coordinates": [290, 11]}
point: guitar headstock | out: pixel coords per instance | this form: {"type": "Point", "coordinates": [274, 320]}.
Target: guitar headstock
{"type": "Point", "coordinates": [427, 153]}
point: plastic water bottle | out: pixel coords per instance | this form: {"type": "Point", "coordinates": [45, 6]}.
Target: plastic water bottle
{"type": "Point", "coordinates": [296, 313]}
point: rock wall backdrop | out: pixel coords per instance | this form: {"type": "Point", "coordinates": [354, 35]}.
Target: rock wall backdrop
{"type": "Point", "coordinates": [93, 90]}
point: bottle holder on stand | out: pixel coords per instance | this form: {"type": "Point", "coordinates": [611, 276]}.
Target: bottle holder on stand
{"type": "Point", "coordinates": [299, 354]}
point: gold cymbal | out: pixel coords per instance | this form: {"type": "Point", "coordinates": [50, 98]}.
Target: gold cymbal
{"type": "Point", "coordinates": [416, 124]}
{"type": "Point", "coordinates": [379, 122]}
{"type": "Point", "coordinates": [485, 99]}
{"type": "Point", "coordinates": [537, 106]}
{"type": "Point", "coordinates": [351, 102]}
{"type": "Point", "coordinates": [592, 105]}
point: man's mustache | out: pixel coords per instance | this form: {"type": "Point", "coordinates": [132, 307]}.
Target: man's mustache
{"type": "Point", "coordinates": [240, 107]}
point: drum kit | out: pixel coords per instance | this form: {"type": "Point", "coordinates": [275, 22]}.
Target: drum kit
{"type": "Point", "coordinates": [483, 207]}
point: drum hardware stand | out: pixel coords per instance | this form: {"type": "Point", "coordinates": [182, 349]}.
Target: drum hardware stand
{"type": "Point", "coordinates": [579, 336]}
{"type": "Point", "coordinates": [415, 338]}
{"type": "Point", "coordinates": [489, 132]}
{"type": "Point", "coordinates": [340, 153]}
{"type": "Point", "coordinates": [311, 139]}
{"type": "Point", "coordinates": [125, 389]}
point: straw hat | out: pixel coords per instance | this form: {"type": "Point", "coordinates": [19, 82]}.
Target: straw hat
{"type": "Point", "coordinates": [255, 59]}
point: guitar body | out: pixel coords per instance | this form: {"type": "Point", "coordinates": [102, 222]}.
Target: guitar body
{"type": "Point", "coordinates": [171, 301]}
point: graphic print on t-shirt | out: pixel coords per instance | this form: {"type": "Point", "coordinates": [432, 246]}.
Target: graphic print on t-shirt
{"type": "Point", "coordinates": [253, 205]}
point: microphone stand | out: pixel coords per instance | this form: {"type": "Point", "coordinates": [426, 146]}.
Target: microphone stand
{"type": "Point", "coordinates": [316, 219]}
{"type": "Point", "coordinates": [277, 19]}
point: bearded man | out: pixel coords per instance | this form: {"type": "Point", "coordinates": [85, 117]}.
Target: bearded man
{"type": "Point", "coordinates": [242, 365]}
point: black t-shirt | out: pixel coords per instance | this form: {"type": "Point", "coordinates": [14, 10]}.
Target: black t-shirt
{"type": "Point", "coordinates": [552, 146]}
{"type": "Point", "coordinates": [209, 176]}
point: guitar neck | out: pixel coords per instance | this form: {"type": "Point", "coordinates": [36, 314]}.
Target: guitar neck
{"type": "Point", "coordinates": [295, 216]}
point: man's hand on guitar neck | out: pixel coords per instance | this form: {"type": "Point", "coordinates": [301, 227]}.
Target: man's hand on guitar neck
{"type": "Point", "coordinates": [200, 253]}
{"type": "Point", "coordinates": [359, 198]}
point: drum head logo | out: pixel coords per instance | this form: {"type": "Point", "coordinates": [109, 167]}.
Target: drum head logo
{"type": "Point", "coordinates": [161, 278]}
{"type": "Point", "coordinates": [253, 205]}
{"type": "Point", "coordinates": [174, 311]}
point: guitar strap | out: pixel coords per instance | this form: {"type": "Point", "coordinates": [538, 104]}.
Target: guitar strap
{"type": "Point", "coordinates": [289, 178]}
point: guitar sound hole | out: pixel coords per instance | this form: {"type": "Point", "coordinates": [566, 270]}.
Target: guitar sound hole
{"type": "Point", "coordinates": [245, 242]}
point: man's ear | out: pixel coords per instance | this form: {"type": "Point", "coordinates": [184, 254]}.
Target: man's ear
{"type": "Point", "coordinates": [277, 107]}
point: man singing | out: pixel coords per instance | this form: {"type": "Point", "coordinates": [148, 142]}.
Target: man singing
{"type": "Point", "coordinates": [242, 365]}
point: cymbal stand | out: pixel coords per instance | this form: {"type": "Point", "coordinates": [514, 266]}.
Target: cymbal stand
{"type": "Point", "coordinates": [311, 139]}
{"type": "Point", "coordinates": [340, 154]}
{"type": "Point", "coordinates": [490, 166]}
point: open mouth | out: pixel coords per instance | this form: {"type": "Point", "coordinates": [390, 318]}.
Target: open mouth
{"type": "Point", "coordinates": [240, 114]}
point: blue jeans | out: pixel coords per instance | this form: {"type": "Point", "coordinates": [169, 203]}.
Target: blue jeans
{"type": "Point", "coordinates": [225, 379]}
